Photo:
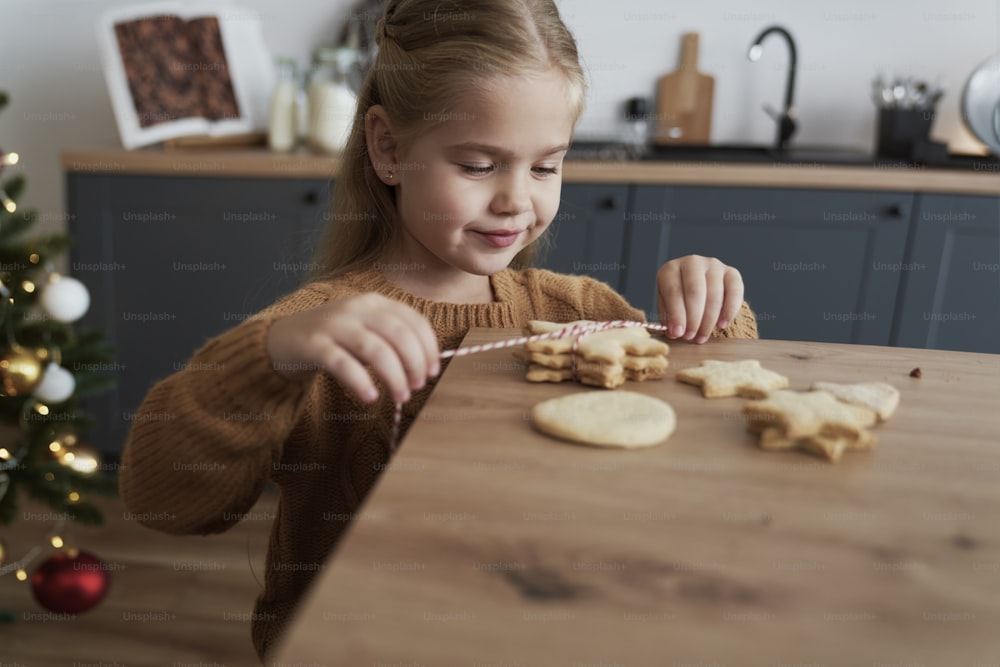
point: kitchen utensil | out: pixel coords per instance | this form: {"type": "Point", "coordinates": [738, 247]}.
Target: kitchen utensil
{"type": "Point", "coordinates": [905, 93]}
{"type": "Point", "coordinates": [981, 103]}
{"type": "Point", "coordinates": [684, 100]}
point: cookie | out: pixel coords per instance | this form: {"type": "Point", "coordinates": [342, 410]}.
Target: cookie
{"type": "Point", "coordinates": [617, 419]}
{"type": "Point", "coordinates": [829, 447]}
{"type": "Point", "coordinates": [608, 379]}
{"type": "Point", "coordinates": [800, 414]}
{"type": "Point", "coordinates": [648, 363]}
{"type": "Point", "coordinates": [880, 397]}
{"type": "Point", "coordinates": [745, 378]}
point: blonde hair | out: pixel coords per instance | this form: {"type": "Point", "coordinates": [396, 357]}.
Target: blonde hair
{"type": "Point", "coordinates": [431, 52]}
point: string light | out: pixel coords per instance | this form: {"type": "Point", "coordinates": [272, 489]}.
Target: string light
{"type": "Point", "coordinates": [7, 202]}
{"type": "Point", "coordinates": [56, 541]}
{"type": "Point", "coordinates": [21, 575]}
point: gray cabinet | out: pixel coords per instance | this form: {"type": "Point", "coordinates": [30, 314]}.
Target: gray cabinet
{"type": "Point", "coordinates": [950, 292]}
{"type": "Point", "coordinates": [818, 264]}
{"type": "Point", "coordinates": [587, 236]}
{"type": "Point", "coordinates": [173, 261]}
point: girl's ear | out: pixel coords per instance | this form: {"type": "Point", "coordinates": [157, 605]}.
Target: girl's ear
{"type": "Point", "coordinates": [382, 144]}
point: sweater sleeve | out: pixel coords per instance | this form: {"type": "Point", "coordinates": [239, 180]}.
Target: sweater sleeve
{"type": "Point", "coordinates": [743, 326]}
{"type": "Point", "coordinates": [202, 443]}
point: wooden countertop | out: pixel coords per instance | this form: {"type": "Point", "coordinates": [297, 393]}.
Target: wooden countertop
{"type": "Point", "coordinates": [486, 543]}
{"type": "Point", "coordinates": [258, 162]}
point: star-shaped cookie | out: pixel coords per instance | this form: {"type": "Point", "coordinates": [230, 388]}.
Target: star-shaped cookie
{"type": "Point", "coordinates": [801, 414]}
{"type": "Point", "coordinates": [745, 378]}
{"type": "Point", "coordinates": [829, 447]}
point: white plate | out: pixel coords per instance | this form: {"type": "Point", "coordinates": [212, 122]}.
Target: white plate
{"type": "Point", "coordinates": [981, 103]}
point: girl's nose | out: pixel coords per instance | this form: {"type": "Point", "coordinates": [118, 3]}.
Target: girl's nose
{"type": "Point", "coordinates": [513, 195]}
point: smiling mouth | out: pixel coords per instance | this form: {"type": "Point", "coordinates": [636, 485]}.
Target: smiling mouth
{"type": "Point", "coordinates": [499, 239]}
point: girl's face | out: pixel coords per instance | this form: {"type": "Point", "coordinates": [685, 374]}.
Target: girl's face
{"type": "Point", "coordinates": [483, 184]}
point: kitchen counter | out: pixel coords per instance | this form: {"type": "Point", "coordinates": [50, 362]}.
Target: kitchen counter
{"type": "Point", "coordinates": [261, 163]}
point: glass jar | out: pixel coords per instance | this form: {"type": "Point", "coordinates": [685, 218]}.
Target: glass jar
{"type": "Point", "coordinates": [332, 102]}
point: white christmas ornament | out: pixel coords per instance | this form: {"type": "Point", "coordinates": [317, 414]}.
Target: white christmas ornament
{"type": "Point", "coordinates": [65, 299]}
{"type": "Point", "coordinates": [57, 384]}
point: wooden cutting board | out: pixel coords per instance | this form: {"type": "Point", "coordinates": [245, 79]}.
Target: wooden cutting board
{"type": "Point", "coordinates": [684, 100]}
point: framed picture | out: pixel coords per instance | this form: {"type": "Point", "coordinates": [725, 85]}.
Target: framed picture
{"type": "Point", "coordinates": [178, 70]}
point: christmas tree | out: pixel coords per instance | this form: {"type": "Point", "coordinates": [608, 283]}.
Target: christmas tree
{"type": "Point", "coordinates": [45, 368]}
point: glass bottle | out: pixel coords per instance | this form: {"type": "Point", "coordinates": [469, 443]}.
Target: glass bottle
{"type": "Point", "coordinates": [282, 132]}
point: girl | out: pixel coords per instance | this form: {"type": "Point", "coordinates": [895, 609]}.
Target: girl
{"type": "Point", "coordinates": [450, 177]}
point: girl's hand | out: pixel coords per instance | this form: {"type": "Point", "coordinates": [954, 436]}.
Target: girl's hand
{"type": "Point", "coordinates": [342, 336]}
{"type": "Point", "coordinates": [696, 295]}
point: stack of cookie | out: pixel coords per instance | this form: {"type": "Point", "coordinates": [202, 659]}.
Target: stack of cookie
{"type": "Point", "coordinates": [826, 421]}
{"type": "Point", "coordinates": [602, 359]}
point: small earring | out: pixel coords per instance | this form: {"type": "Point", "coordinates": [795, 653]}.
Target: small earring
{"type": "Point", "coordinates": [389, 174]}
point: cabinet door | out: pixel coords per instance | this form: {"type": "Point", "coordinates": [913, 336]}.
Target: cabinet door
{"type": "Point", "coordinates": [950, 294]}
{"type": "Point", "coordinates": [172, 261]}
{"type": "Point", "coordinates": [817, 264]}
{"type": "Point", "coordinates": [587, 236]}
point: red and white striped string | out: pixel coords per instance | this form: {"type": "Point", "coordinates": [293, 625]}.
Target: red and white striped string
{"type": "Point", "coordinates": [578, 329]}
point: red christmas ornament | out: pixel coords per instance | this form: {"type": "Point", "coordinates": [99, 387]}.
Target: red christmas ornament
{"type": "Point", "coordinates": [70, 583]}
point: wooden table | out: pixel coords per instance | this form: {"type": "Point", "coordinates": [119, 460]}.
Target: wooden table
{"type": "Point", "coordinates": [488, 544]}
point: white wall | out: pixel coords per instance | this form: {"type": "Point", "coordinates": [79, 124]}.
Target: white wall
{"type": "Point", "coordinates": [49, 65]}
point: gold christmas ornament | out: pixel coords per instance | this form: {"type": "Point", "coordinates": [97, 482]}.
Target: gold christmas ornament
{"type": "Point", "coordinates": [20, 370]}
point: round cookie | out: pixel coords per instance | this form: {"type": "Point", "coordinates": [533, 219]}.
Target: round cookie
{"type": "Point", "coordinates": [606, 419]}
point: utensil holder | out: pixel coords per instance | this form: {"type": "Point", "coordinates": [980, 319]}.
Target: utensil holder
{"type": "Point", "coordinates": [900, 130]}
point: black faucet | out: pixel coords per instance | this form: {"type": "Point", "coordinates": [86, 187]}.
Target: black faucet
{"type": "Point", "coordinates": [786, 124]}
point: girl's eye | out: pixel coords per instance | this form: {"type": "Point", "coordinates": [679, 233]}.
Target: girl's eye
{"type": "Point", "coordinates": [477, 170]}
{"type": "Point", "coordinates": [547, 170]}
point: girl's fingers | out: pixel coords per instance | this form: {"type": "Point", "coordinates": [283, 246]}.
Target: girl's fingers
{"type": "Point", "coordinates": [694, 299]}
{"type": "Point", "coordinates": [714, 299]}
{"type": "Point", "coordinates": [423, 335]}
{"type": "Point", "coordinates": [370, 348]}
{"type": "Point", "coordinates": [733, 283]}
{"type": "Point", "coordinates": [348, 371]}
{"type": "Point", "coordinates": [398, 333]}
{"type": "Point", "coordinates": [671, 300]}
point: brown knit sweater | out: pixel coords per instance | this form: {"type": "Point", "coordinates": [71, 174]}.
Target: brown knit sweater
{"type": "Point", "coordinates": [206, 439]}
